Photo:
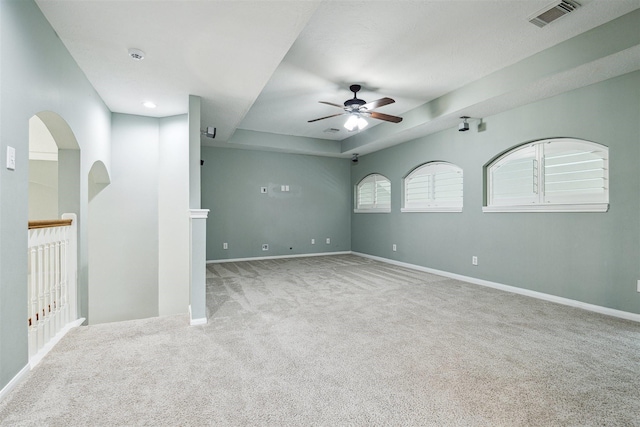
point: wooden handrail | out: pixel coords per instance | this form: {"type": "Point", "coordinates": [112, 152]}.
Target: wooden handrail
{"type": "Point", "coordinates": [47, 223]}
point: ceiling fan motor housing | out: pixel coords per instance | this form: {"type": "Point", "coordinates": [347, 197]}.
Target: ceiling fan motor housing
{"type": "Point", "coordinates": [354, 103]}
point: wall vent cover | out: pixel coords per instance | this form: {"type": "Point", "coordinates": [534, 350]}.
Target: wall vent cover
{"type": "Point", "coordinates": [552, 12]}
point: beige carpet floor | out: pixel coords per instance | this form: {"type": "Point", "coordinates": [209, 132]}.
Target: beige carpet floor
{"type": "Point", "coordinates": [341, 341]}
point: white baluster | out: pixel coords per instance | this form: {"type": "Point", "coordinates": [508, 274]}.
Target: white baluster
{"type": "Point", "coordinates": [33, 297]}
{"type": "Point", "coordinates": [40, 274]}
{"type": "Point", "coordinates": [57, 324]}
{"type": "Point", "coordinates": [46, 294]}
{"type": "Point", "coordinates": [64, 289]}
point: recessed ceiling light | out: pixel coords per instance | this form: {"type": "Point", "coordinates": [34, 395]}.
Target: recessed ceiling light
{"type": "Point", "coordinates": [136, 54]}
{"type": "Point", "coordinates": [149, 104]}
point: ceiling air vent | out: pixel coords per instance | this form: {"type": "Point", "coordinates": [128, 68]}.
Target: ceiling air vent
{"type": "Point", "coordinates": [553, 12]}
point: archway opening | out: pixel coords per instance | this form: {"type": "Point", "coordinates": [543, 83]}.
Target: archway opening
{"type": "Point", "coordinates": [43, 172]}
{"type": "Point", "coordinates": [53, 244]}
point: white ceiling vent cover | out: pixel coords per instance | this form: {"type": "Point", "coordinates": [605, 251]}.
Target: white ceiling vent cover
{"type": "Point", "coordinates": [552, 12]}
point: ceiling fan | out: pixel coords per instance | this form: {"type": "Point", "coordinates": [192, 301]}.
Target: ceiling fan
{"type": "Point", "coordinates": [359, 108]}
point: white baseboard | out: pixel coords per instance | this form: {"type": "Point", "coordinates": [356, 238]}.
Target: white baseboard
{"type": "Point", "coordinates": [14, 381]}
{"type": "Point", "coordinates": [33, 361]}
{"type": "Point", "coordinates": [513, 289]}
{"type": "Point", "coordinates": [219, 261]}
{"type": "Point", "coordinates": [198, 321]}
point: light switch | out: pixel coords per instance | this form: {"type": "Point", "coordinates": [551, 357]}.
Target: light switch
{"type": "Point", "coordinates": [11, 158]}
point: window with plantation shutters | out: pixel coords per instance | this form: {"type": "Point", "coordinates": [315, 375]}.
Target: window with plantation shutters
{"type": "Point", "coordinates": [373, 194]}
{"type": "Point", "coordinates": [433, 187]}
{"type": "Point", "coordinates": [554, 175]}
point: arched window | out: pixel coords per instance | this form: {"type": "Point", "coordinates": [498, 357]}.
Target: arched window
{"type": "Point", "coordinates": [433, 187]}
{"type": "Point", "coordinates": [373, 194]}
{"type": "Point", "coordinates": [552, 175]}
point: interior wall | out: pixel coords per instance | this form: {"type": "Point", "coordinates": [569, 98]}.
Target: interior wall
{"type": "Point", "coordinates": [43, 189]}
{"type": "Point", "coordinates": [173, 216]}
{"type": "Point", "coordinates": [43, 172]}
{"type": "Point", "coordinates": [45, 79]}
{"type": "Point", "coordinates": [315, 207]}
{"type": "Point", "coordinates": [123, 229]}
{"type": "Point", "coordinates": [194, 151]}
{"type": "Point", "coordinates": [588, 257]}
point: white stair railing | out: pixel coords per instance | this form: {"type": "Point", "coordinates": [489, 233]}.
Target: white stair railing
{"type": "Point", "coordinates": [52, 272]}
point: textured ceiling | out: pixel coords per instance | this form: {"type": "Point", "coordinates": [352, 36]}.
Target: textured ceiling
{"type": "Point", "coordinates": [261, 67]}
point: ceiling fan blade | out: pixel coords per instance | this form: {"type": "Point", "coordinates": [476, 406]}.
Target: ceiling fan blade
{"type": "Point", "coordinates": [378, 103]}
{"type": "Point", "coordinates": [331, 103]}
{"type": "Point", "coordinates": [327, 117]}
{"type": "Point", "coordinates": [385, 117]}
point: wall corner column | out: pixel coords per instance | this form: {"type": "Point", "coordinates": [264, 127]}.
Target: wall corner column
{"type": "Point", "coordinates": [198, 277]}
{"type": "Point", "coordinates": [194, 152]}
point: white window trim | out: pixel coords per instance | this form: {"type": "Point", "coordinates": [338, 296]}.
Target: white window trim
{"type": "Point", "coordinates": [432, 208]}
{"type": "Point", "coordinates": [591, 207]}
{"type": "Point", "coordinates": [373, 210]}
{"type": "Point", "coordinates": [550, 207]}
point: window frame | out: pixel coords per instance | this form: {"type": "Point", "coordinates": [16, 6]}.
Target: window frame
{"type": "Point", "coordinates": [433, 205]}
{"type": "Point", "coordinates": [374, 208]}
{"type": "Point", "coordinates": [539, 201]}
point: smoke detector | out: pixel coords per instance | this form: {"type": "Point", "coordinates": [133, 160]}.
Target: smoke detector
{"type": "Point", "coordinates": [136, 54]}
{"type": "Point", "coordinates": [555, 10]}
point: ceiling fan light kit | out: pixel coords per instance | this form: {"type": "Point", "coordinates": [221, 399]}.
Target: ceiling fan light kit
{"type": "Point", "coordinates": [357, 109]}
{"type": "Point", "coordinates": [355, 121]}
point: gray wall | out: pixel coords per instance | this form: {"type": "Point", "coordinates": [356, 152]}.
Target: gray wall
{"type": "Point", "coordinates": [123, 226]}
{"type": "Point", "coordinates": [589, 257]}
{"type": "Point", "coordinates": [173, 215]}
{"type": "Point", "coordinates": [317, 205]}
{"type": "Point", "coordinates": [139, 223]}
{"type": "Point", "coordinates": [38, 74]}
{"type": "Point", "coordinates": [43, 189]}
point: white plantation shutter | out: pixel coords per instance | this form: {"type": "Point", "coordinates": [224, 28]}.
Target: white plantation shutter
{"type": "Point", "coordinates": [373, 194]}
{"type": "Point", "coordinates": [383, 193]}
{"type": "Point", "coordinates": [366, 193]}
{"type": "Point", "coordinates": [560, 174]}
{"type": "Point", "coordinates": [575, 173]}
{"type": "Point", "coordinates": [435, 186]}
{"type": "Point", "coordinates": [514, 179]}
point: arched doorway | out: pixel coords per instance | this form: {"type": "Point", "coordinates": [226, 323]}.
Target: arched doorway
{"type": "Point", "coordinates": [54, 190]}
{"type": "Point", "coordinates": [43, 172]}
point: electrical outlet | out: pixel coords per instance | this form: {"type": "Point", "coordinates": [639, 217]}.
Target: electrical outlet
{"type": "Point", "coordinates": [263, 190]}
{"type": "Point", "coordinates": [328, 241]}
{"type": "Point", "coordinates": [225, 245]}
{"type": "Point", "coordinates": [313, 241]}
{"type": "Point", "coordinates": [474, 260]}
{"type": "Point", "coordinates": [265, 247]}
{"type": "Point", "coordinates": [394, 247]}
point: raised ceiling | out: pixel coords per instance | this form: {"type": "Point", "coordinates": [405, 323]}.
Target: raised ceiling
{"type": "Point", "coordinates": [261, 66]}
